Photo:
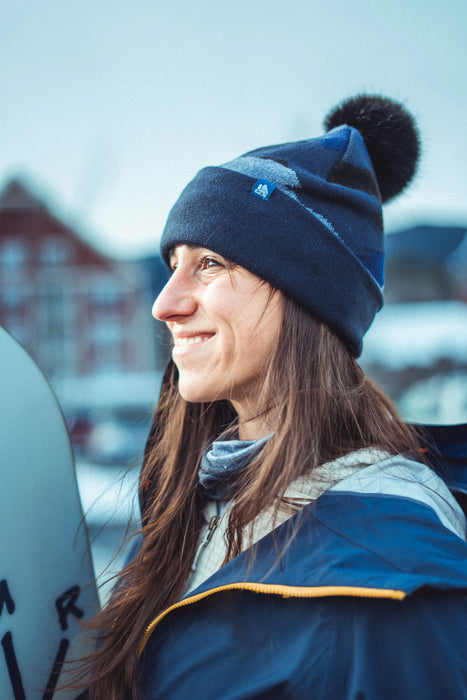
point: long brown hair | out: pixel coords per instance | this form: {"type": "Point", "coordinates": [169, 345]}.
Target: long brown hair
{"type": "Point", "coordinates": [323, 407]}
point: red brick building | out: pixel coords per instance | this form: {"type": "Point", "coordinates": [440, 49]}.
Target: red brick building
{"type": "Point", "coordinates": [76, 311]}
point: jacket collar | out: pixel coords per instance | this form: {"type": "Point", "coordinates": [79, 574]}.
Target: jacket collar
{"type": "Point", "coordinates": [360, 539]}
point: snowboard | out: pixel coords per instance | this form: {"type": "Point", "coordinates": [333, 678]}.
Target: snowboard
{"type": "Point", "coordinates": [46, 575]}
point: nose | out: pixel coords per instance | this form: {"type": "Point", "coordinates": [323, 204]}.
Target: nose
{"type": "Point", "coordinates": [175, 300]}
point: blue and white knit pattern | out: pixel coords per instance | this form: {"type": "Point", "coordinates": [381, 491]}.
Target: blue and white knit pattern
{"type": "Point", "coordinates": [281, 175]}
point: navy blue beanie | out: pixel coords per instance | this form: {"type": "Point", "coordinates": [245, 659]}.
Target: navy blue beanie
{"type": "Point", "coordinates": [306, 216]}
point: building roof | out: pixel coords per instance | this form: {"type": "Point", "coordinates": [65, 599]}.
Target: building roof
{"type": "Point", "coordinates": [34, 219]}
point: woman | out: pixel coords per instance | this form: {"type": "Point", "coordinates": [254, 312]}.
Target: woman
{"type": "Point", "coordinates": [289, 549]}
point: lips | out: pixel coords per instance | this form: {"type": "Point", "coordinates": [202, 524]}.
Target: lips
{"type": "Point", "coordinates": [182, 342]}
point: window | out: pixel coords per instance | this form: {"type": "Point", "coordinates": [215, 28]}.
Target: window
{"type": "Point", "coordinates": [106, 290]}
{"type": "Point", "coordinates": [12, 254]}
{"type": "Point", "coordinates": [108, 332]}
{"type": "Point", "coordinates": [12, 296]}
{"type": "Point", "coordinates": [54, 251]}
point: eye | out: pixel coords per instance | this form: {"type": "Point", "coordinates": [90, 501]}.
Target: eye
{"type": "Point", "coordinates": [209, 263]}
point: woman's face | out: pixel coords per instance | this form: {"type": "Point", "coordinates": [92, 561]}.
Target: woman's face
{"type": "Point", "coordinates": [224, 323]}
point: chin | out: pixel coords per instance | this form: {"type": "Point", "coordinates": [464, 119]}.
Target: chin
{"type": "Point", "coordinates": [197, 394]}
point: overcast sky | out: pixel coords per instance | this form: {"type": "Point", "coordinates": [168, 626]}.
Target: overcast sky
{"type": "Point", "coordinates": [108, 108]}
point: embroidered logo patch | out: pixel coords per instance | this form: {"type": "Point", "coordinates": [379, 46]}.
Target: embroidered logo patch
{"type": "Point", "coordinates": [263, 189]}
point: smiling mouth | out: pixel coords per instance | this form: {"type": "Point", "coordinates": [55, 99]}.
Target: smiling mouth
{"type": "Point", "coordinates": [187, 341]}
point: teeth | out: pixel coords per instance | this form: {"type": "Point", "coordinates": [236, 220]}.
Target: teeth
{"type": "Point", "coordinates": [190, 341]}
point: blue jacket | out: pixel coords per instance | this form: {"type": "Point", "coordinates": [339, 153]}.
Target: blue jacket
{"type": "Point", "coordinates": [368, 601]}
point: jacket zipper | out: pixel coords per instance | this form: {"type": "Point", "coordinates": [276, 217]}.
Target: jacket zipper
{"type": "Point", "coordinates": [213, 523]}
{"type": "Point", "coordinates": [283, 591]}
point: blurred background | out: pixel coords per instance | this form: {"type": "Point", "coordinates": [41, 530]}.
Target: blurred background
{"type": "Point", "coordinates": [110, 108]}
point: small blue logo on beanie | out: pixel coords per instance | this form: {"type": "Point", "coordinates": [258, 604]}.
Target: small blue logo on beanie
{"type": "Point", "coordinates": [263, 189]}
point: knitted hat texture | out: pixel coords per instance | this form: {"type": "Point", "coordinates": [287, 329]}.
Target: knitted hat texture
{"type": "Point", "coordinates": [306, 216]}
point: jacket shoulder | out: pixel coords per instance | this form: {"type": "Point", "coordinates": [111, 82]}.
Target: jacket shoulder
{"type": "Point", "coordinates": [252, 647]}
{"type": "Point", "coordinates": [415, 648]}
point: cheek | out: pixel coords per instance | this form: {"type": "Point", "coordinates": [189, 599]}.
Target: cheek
{"type": "Point", "coordinates": [262, 346]}
{"type": "Point", "coordinates": [266, 335]}
{"type": "Point", "coordinates": [258, 341]}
